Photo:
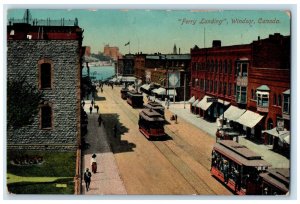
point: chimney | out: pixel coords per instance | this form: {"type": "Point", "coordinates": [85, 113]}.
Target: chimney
{"type": "Point", "coordinates": [216, 43]}
{"type": "Point", "coordinates": [258, 38]}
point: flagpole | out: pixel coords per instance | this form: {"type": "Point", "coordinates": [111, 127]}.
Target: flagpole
{"type": "Point", "coordinates": [129, 47]}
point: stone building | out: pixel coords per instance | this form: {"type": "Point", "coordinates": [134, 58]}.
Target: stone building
{"type": "Point", "coordinates": [50, 58]}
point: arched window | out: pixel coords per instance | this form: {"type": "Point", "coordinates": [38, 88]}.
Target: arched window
{"type": "Point", "coordinates": [220, 69]}
{"type": "Point", "coordinates": [279, 100]}
{"type": "Point", "coordinates": [229, 67]}
{"type": "Point", "coordinates": [45, 70]}
{"type": "Point", "coordinates": [225, 67]}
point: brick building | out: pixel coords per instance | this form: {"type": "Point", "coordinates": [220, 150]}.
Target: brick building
{"type": "Point", "coordinates": [125, 65]}
{"type": "Point", "coordinates": [155, 68]}
{"type": "Point", "coordinates": [50, 58]}
{"type": "Point", "coordinates": [87, 51]}
{"type": "Point", "coordinates": [255, 78]}
{"type": "Point", "coordinates": [112, 52]}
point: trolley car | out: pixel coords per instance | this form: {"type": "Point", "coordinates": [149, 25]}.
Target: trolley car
{"type": "Point", "coordinates": [157, 107]}
{"type": "Point", "coordinates": [151, 124]}
{"type": "Point", "coordinates": [135, 99]}
{"type": "Point", "coordinates": [124, 93]}
{"type": "Point", "coordinates": [238, 167]}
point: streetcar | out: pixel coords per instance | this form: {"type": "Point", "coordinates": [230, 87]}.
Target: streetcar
{"type": "Point", "coordinates": [135, 99]}
{"type": "Point", "coordinates": [237, 167]}
{"type": "Point", "coordinates": [151, 124]}
{"type": "Point", "coordinates": [124, 93]}
{"type": "Point", "coordinates": [157, 107]}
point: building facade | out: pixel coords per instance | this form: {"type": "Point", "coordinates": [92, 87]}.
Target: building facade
{"type": "Point", "coordinates": [112, 52]}
{"type": "Point", "coordinates": [253, 77]}
{"type": "Point", "coordinates": [51, 61]}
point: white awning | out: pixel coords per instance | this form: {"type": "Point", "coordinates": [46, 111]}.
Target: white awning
{"type": "Point", "coordinates": [192, 99]}
{"type": "Point", "coordinates": [159, 91]}
{"type": "Point", "coordinates": [226, 103]}
{"type": "Point", "coordinates": [203, 104]}
{"type": "Point", "coordinates": [195, 102]}
{"type": "Point", "coordinates": [171, 92]}
{"type": "Point", "coordinates": [233, 113]}
{"type": "Point", "coordinates": [249, 119]}
{"type": "Point", "coordinates": [146, 86]}
{"type": "Point", "coordinates": [284, 135]}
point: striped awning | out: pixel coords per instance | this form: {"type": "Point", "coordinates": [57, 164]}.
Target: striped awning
{"type": "Point", "coordinates": [203, 104]}
{"type": "Point", "coordinates": [192, 99]}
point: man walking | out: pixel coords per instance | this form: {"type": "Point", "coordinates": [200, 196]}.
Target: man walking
{"type": "Point", "coordinates": [87, 179]}
{"type": "Point", "coordinates": [91, 109]}
{"type": "Point", "coordinates": [99, 120]}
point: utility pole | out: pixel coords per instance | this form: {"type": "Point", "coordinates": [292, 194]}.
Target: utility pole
{"type": "Point", "coordinates": [184, 91]}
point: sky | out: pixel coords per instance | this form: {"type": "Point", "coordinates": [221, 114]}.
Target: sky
{"type": "Point", "coordinates": [151, 31]}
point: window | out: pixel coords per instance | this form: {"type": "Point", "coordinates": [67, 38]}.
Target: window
{"type": "Point", "coordinates": [230, 67]}
{"type": "Point", "coordinates": [242, 69]}
{"type": "Point", "coordinates": [45, 67]}
{"type": "Point", "coordinates": [46, 117]}
{"type": "Point", "coordinates": [279, 100]}
{"type": "Point", "coordinates": [229, 89]}
{"type": "Point", "coordinates": [220, 88]}
{"type": "Point", "coordinates": [211, 85]}
{"type": "Point", "coordinates": [252, 94]}
{"type": "Point", "coordinates": [215, 87]}
{"type": "Point", "coordinates": [216, 66]}
{"type": "Point", "coordinates": [220, 64]}
{"type": "Point", "coordinates": [225, 67]}
{"type": "Point", "coordinates": [241, 94]}
{"type": "Point", "coordinates": [201, 84]}
{"type": "Point", "coordinates": [262, 99]}
{"type": "Point", "coordinates": [274, 100]}
{"type": "Point", "coordinates": [225, 88]}
{"type": "Point", "coordinates": [286, 103]}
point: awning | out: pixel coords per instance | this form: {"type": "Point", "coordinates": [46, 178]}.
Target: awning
{"type": "Point", "coordinates": [145, 86]}
{"type": "Point", "coordinates": [160, 91]}
{"type": "Point", "coordinates": [226, 103]}
{"type": "Point", "coordinates": [192, 99]}
{"type": "Point", "coordinates": [249, 119]}
{"type": "Point", "coordinates": [195, 102]}
{"type": "Point", "coordinates": [283, 135]}
{"type": "Point", "coordinates": [233, 113]}
{"type": "Point", "coordinates": [171, 92]}
{"type": "Point", "coordinates": [287, 92]}
{"type": "Point", "coordinates": [203, 104]}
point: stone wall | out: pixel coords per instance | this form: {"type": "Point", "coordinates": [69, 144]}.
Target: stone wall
{"type": "Point", "coordinates": [22, 59]}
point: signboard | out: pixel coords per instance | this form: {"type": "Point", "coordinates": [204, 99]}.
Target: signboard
{"type": "Point", "coordinates": [174, 79]}
{"type": "Point", "coordinates": [211, 100]}
{"type": "Point", "coordinates": [280, 124]}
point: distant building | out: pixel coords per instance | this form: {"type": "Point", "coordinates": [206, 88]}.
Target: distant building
{"type": "Point", "coordinates": [125, 65]}
{"type": "Point", "coordinates": [156, 68]}
{"type": "Point", "coordinates": [112, 52]}
{"type": "Point", "coordinates": [87, 51]}
{"type": "Point", "coordinates": [50, 58]}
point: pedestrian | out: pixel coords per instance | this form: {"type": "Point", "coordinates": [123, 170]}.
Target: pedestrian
{"type": "Point", "coordinates": [83, 103]}
{"type": "Point", "coordinates": [94, 163]}
{"type": "Point", "coordinates": [101, 90]}
{"type": "Point", "coordinates": [87, 179]}
{"type": "Point", "coordinates": [115, 131]}
{"type": "Point", "coordinates": [225, 171]}
{"type": "Point", "coordinates": [91, 109]}
{"type": "Point", "coordinates": [97, 108]}
{"type": "Point", "coordinates": [99, 120]}
{"type": "Point", "coordinates": [112, 86]}
{"type": "Point", "coordinates": [175, 118]}
{"type": "Point", "coordinates": [92, 102]}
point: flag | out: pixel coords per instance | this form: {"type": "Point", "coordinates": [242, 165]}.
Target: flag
{"type": "Point", "coordinates": [127, 43]}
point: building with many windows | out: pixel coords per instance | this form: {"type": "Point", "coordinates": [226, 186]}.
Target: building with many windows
{"type": "Point", "coordinates": [50, 58]}
{"type": "Point", "coordinates": [254, 78]}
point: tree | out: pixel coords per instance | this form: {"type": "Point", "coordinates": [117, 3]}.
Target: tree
{"type": "Point", "coordinates": [22, 102]}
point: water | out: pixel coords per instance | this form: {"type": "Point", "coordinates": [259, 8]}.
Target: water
{"type": "Point", "coordinates": [100, 73]}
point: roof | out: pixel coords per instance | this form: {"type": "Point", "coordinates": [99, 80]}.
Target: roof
{"type": "Point", "coordinates": [159, 91]}
{"type": "Point", "coordinates": [170, 56]}
{"type": "Point", "coordinates": [233, 113]}
{"type": "Point", "coordinates": [128, 79]}
{"type": "Point", "coordinates": [249, 119]}
{"type": "Point", "coordinates": [154, 105]}
{"type": "Point", "coordinates": [172, 92]}
{"type": "Point", "coordinates": [263, 88]}
{"type": "Point", "coordinates": [151, 115]}
{"type": "Point", "coordinates": [280, 178]}
{"type": "Point", "coordinates": [145, 86]}
{"type": "Point", "coordinates": [240, 154]}
{"type": "Point", "coordinates": [134, 93]}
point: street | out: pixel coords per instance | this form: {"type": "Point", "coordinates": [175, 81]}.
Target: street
{"type": "Point", "coordinates": [178, 165]}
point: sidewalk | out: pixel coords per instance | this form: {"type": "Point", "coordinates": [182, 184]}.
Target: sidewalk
{"type": "Point", "coordinates": [106, 181]}
{"type": "Point", "coordinates": [275, 159]}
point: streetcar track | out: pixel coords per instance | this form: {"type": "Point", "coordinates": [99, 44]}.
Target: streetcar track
{"type": "Point", "coordinates": [179, 164]}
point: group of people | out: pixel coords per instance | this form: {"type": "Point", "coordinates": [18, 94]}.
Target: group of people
{"type": "Point", "coordinates": [87, 174]}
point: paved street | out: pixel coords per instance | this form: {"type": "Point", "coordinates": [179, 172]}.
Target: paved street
{"type": "Point", "coordinates": [177, 166]}
{"type": "Point", "coordinates": [128, 163]}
